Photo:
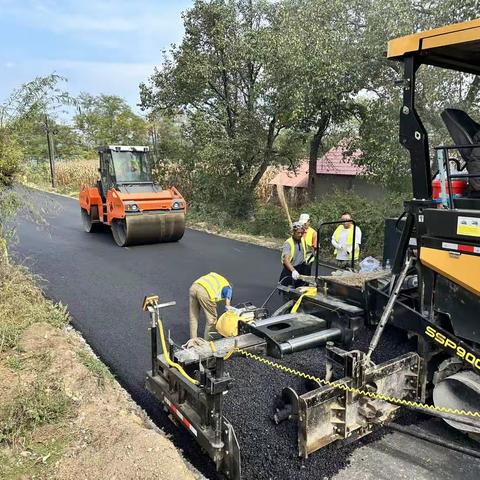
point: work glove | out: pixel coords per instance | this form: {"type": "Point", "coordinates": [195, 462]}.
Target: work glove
{"type": "Point", "coordinates": [195, 342]}
{"type": "Point", "coordinates": [229, 308]}
{"type": "Point", "coordinates": [295, 275]}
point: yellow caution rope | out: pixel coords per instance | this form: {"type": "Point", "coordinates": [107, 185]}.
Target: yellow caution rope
{"type": "Point", "coordinates": [357, 391]}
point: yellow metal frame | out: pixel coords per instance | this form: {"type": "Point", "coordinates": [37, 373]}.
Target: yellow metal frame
{"type": "Point", "coordinates": [461, 268]}
{"type": "Point", "coordinates": [457, 33]}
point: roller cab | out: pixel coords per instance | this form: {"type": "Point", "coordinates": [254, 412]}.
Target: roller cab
{"type": "Point", "coordinates": [128, 200]}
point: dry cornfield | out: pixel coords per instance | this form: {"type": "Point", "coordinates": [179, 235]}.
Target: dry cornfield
{"type": "Point", "coordinates": [73, 174]}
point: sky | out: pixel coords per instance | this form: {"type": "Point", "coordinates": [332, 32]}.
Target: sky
{"type": "Point", "coordinates": [100, 46]}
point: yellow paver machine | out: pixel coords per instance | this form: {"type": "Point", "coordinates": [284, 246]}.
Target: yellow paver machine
{"type": "Point", "coordinates": [432, 294]}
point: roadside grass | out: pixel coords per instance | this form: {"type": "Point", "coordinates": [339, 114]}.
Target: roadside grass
{"type": "Point", "coordinates": [22, 304]}
{"type": "Point", "coordinates": [40, 402]}
{"type": "Point", "coordinates": [33, 405]}
{"type": "Point", "coordinates": [36, 457]}
{"type": "Point", "coordinates": [99, 369]}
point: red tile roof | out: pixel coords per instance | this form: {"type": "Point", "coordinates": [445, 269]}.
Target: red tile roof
{"type": "Point", "coordinates": [334, 162]}
{"type": "Point", "coordinates": [288, 178]}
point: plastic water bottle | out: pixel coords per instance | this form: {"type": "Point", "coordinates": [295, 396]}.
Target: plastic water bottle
{"type": "Point", "coordinates": [388, 268]}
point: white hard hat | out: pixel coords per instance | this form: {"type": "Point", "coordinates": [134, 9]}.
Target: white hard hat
{"type": "Point", "coordinates": [304, 218]}
{"type": "Point", "coordinates": [297, 226]}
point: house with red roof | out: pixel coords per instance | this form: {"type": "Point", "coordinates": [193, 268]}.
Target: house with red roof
{"type": "Point", "coordinates": [335, 171]}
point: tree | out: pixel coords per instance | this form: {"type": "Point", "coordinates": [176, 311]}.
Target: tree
{"type": "Point", "coordinates": [222, 79]}
{"type": "Point", "coordinates": [22, 113]}
{"type": "Point", "coordinates": [320, 68]}
{"type": "Point", "coordinates": [108, 119]}
{"type": "Point", "coordinates": [382, 156]}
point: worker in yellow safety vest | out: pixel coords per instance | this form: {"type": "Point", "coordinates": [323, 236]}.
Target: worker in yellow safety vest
{"type": "Point", "coordinates": [342, 240]}
{"type": "Point", "coordinates": [294, 256]}
{"type": "Point", "coordinates": [310, 236]}
{"type": "Point", "coordinates": [205, 293]}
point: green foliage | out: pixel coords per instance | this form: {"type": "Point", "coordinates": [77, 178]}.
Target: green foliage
{"type": "Point", "coordinates": [368, 214]}
{"type": "Point", "coordinates": [270, 220]}
{"type": "Point", "coordinates": [22, 115]}
{"type": "Point", "coordinates": [10, 156]}
{"type": "Point", "coordinates": [10, 203]}
{"type": "Point", "coordinates": [96, 366]}
{"type": "Point", "coordinates": [108, 119]}
{"type": "Point", "coordinates": [436, 88]}
{"type": "Point", "coordinates": [221, 78]}
{"type": "Point", "coordinates": [33, 406]}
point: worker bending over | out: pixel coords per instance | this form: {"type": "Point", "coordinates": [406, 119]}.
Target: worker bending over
{"type": "Point", "coordinates": [205, 293]}
{"type": "Point", "coordinates": [294, 256]}
{"type": "Point", "coordinates": [342, 240]}
{"type": "Point", "coordinates": [310, 236]}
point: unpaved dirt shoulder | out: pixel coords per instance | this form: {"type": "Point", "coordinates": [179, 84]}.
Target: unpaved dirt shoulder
{"type": "Point", "coordinates": [95, 430]}
{"type": "Point", "coordinates": [262, 241]}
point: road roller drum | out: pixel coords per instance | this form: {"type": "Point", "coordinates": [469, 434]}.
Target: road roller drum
{"type": "Point", "coordinates": [128, 200]}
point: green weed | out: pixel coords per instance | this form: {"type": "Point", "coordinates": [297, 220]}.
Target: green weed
{"type": "Point", "coordinates": [96, 366]}
{"type": "Point", "coordinates": [33, 405]}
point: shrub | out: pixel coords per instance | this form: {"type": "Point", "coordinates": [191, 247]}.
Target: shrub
{"type": "Point", "coordinates": [368, 214]}
{"type": "Point", "coordinates": [10, 156]}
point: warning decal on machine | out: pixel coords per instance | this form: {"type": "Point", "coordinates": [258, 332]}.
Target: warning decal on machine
{"type": "Point", "coordinates": [469, 226]}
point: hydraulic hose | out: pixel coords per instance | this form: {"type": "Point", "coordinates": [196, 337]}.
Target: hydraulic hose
{"type": "Point", "coordinates": [170, 362]}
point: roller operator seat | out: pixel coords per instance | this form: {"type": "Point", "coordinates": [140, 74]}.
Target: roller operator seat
{"type": "Point", "coordinates": [465, 131]}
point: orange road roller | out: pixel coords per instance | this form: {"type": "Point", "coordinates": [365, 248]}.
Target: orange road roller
{"type": "Point", "coordinates": [137, 209]}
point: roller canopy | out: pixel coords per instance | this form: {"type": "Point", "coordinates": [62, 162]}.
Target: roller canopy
{"type": "Point", "coordinates": [455, 47]}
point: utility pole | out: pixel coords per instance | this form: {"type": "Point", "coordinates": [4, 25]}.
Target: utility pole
{"type": "Point", "coordinates": [51, 153]}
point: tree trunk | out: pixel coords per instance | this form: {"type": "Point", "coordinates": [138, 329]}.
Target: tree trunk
{"type": "Point", "coordinates": [315, 145]}
{"type": "Point", "coordinates": [312, 163]}
{"type": "Point", "coordinates": [267, 156]}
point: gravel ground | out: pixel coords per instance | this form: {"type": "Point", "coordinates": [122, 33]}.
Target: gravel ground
{"type": "Point", "coordinates": [269, 451]}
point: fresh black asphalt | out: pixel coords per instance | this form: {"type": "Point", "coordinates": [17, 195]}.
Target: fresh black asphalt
{"type": "Point", "coordinates": [103, 286]}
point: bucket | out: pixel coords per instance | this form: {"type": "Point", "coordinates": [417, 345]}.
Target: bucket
{"type": "Point", "coordinates": [458, 189]}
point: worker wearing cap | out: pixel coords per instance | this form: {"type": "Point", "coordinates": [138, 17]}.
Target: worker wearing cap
{"type": "Point", "coordinates": [310, 236]}
{"type": "Point", "coordinates": [205, 293]}
{"type": "Point", "coordinates": [342, 240]}
{"type": "Point", "coordinates": [294, 256]}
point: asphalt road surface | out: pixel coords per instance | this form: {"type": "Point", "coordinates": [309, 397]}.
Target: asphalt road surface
{"type": "Point", "coordinates": [103, 286]}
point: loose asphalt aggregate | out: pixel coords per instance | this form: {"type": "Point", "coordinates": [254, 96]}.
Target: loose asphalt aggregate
{"type": "Point", "coordinates": [103, 286]}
